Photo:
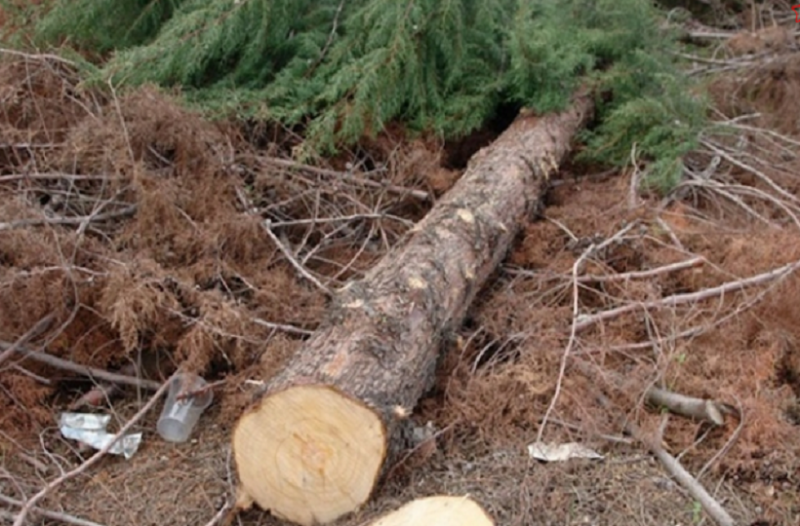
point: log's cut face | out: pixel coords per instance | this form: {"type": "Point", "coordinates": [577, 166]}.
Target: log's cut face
{"type": "Point", "coordinates": [437, 511]}
{"type": "Point", "coordinates": [309, 440]}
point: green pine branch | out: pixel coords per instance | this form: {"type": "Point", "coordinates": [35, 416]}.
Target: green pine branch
{"type": "Point", "coordinates": [344, 70]}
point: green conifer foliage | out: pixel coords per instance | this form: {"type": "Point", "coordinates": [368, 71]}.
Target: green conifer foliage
{"type": "Point", "coordinates": [344, 69]}
{"type": "Point", "coordinates": [105, 25]}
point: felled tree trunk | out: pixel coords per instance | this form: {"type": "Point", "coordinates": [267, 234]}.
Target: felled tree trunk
{"type": "Point", "coordinates": [437, 511]}
{"type": "Point", "coordinates": [313, 445]}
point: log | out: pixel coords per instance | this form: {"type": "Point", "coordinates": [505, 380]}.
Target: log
{"type": "Point", "coordinates": [437, 511]}
{"type": "Point", "coordinates": [313, 444]}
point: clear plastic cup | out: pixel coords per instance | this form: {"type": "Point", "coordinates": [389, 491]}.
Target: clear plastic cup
{"type": "Point", "coordinates": [179, 416]}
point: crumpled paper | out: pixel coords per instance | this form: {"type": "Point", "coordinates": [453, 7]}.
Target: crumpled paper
{"type": "Point", "coordinates": [90, 429]}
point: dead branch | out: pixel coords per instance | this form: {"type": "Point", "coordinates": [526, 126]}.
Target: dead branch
{"type": "Point", "coordinates": [22, 223]}
{"type": "Point", "coordinates": [293, 260]}
{"type": "Point", "coordinates": [399, 190]}
{"type": "Point", "coordinates": [689, 406]}
{"type": "Point", "coordinates": [576, 269]}
{"type": "Point", "coordinates": [56, 176]}
{"type": "Point", "coordinates": [31, 503]}
{"type": "Point", "coordinates": [85, 370]}
{"type": "Point", "coordinates": [37, 56]}
{"type": "Point", "coordinates": [587, 321]}
{"type": "Point", "coordinates": [33, 332]}
{"type": "Point", "coordinates": [55, 515]}
{"type": "Point", "coordinates": [644, 274]}
{"type": "Point", "coordinates": [291, 329]}
{"type": "Point", "coordinates": [671, 464]}
{"type": "Point", "coordinates": [220, 514]}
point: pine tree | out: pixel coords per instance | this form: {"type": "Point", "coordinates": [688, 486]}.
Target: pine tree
{"type": "Point", "coordinates": [346, 69]}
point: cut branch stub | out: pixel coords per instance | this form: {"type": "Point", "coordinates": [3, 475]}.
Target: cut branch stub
{"type": "Point", "coordinates": [314, 443]}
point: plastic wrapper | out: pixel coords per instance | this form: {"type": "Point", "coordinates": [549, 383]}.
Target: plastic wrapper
{"type": "Point", "coordinates": [90, 429]}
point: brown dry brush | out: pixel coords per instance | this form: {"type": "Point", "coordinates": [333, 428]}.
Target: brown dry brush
{"type": "Point", "coordinates": [499, 375]}
{"type": "Point", "coordinates": [141, 226]}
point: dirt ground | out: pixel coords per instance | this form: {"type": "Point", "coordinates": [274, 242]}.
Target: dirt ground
{"type": "Point", "coordinates": [139, 227]}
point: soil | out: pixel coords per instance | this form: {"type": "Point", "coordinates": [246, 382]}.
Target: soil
{"type": "Point", "coordinates": [140, 227]}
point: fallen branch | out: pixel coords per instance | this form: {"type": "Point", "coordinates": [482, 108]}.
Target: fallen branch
{"type": "Point", "coordinates": [586, 321]}
{"type": "Point", "coordinates": [293, 260]}
{"type": "Point", "coordinates": [55, 515]}
{"type": "Point", "coordinates": [57, 176]}
{"type": "Point", "coordinates": [643, 274]}
{"type": "Point", "coordinates": [689, 406]}
{"type": "Point", "coordinates": [30, 504]}
{"type": "Point", "coordinates": [33, 332]}
{"type": "Point", "coordinates": [291, 329]}
{"type": "Point", "coordinates": [623, 276]}
{"type": "Point", "coordinates": [695, 489]}
{"type": "Point", "coordinates": [85, 370]}
{"type": "Point", "coordinates": [399, 190]}
{"type": "Point", "coordinates": [577, 267]}
{"type": "Point", "coordinates": [671, 464]}
{"type": "Point", "coordinates": [22, 223]}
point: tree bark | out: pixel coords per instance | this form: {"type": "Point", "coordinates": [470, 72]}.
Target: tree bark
{"type": "Point", "coordinates": [314, 443]}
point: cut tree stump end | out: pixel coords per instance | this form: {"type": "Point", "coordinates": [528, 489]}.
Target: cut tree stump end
{"type": "Point", "coordinates": [309, 453]}
{"type": "Point", "coordinates": [437, 511]}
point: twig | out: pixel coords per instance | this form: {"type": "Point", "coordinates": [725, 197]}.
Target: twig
{"type": "Point", "coordinates": [633, 197]}
{"type": "Point", "coordinates": [51, 176]}
{"type": "Point", "coordinates": [728, 444]}
{"type": "Point", "coordinates": [31, 503]}
{"type": "Point", "coordinates": [321, 220]}
{"type": "Point", "coordinates": [282, 327]}
{"type": "Point", "coordinates": [33, 332]}
{"type": "Point", "coordinates": [55, 515]}
{"type": "Point", "coordinates": [285, 163]}
{"type": "Point", "coordinates": [292, 260]}
{"type": "Point", "coordinates": [642, 274]}
{"type": "Point", "coordinates": [201, 390]}
{"type": "Point", "coordinates": [220, 514]}
{"type": "Point", "coordinates": [679, 299]}
{"type": "Point", "coordinates": [84, 370]}
{"type": "Point", "coordinates": [21, 223]}
{"type": "Point", "coordinates": [30, 374]}
{"type": "Point", "coordinates": [331, 35]}
{"type": "Point", "coordinates": [746, 167]}
{"type": "Point", "coordinates": [576, 268]}
{"type": "Point", "coordinates": [37, 56]}
{"type": "Point", "coordinates": [663, 224]}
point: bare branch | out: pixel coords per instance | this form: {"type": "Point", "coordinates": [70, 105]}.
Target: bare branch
{"type": "Point", "coordinates": [689, 406]}
{"type": "Point", "coordinates": [293, 260]}
{"type": "Point", "coordinates": [643, 274]}
{"type": "Point", "coordinates": [671, 464]}
{"type": "Point", "coordinates": [55, 515]}
{"type": "Point", "coordinates": [33, 332]}
{"type": "Point", "coordinates": [286, 163]}
{"type": "Point", "coordinates": [91, 372]}
{"type": "Point", "coordinates": [587, 321]}
{"type": "Point", "coordinates": [22, 223]}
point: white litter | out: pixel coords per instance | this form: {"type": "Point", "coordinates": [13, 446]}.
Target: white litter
{"type": "Point", "coordinates": [90, 429]}
{"type": "Point", "coordinates": [561, 452]}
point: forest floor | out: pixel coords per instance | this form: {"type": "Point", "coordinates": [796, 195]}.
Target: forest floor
{"type": "Point", "coordinates": [136, 230]}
